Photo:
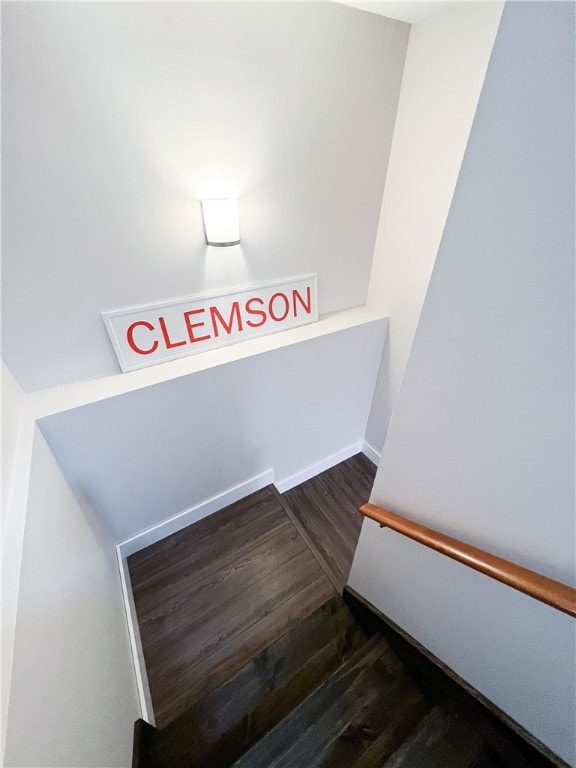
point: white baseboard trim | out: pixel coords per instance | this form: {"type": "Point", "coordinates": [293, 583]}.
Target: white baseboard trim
{"type": "Point", "coordinates": [371, 452]}
{"type": "Point", "coordinates": [151, 536]}
{"type": "Point", "coordinates": [176, 523]}
{"type": "Point", "coordinates": [183, 519]}
{"type": "Point", "coordinates": [144, 697]}
{"type": "Point", "coordinates": [320, 466]}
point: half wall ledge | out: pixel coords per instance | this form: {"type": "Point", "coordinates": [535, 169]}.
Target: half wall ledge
{"type": "Point", "coordinates": [47, 402]}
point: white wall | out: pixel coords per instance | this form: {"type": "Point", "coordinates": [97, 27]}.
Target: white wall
{"type": "Point", "coordinates": [445, 66]}
{"type": "Point", "coordinates": [145, 456]}
{"type": "Point", "coordinates": [73, 698]}
{"type": "Point", "coordinates": [118, 117]}
{"type": "Point", "coordinates": [481, 444]}
{"type": "Point", "coordinates": [16, 451]}
{"type": "Point", "coordinates": [12, 406]}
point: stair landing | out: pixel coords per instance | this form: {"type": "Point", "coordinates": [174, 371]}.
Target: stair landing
{"type": "Point", "coordinates": [212, 596]}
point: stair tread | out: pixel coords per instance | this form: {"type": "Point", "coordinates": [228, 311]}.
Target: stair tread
{"type": "Point", "coordinates": [486, 760]}
{"type": "Point", "coordinates": [407, 716]}
{"type": "Point", "coordinates": [226, 721]}
{"type": "Point", "coordinates": [375, 718]}
{"type": "Point", "coordinates": [440, 740]}
{"type": "Point", "coordinates": [341, 717]}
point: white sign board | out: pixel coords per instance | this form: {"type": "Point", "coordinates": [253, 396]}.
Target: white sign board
{"type": "Point", "coordinates": [155, 333]}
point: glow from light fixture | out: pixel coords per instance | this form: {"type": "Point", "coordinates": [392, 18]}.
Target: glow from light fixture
{"type": "Point", "coordinates": [221, 222]}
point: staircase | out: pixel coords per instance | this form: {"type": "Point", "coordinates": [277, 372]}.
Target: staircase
{"type": "Point", "coordinates": [328, 693]}
{"type": "Point", "coordinates": [255, 660]}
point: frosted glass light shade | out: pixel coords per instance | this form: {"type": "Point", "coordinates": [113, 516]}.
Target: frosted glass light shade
{"type": "Point", "coordinates": [221, 223]}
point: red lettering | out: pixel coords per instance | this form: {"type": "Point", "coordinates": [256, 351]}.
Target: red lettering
{"type": "Point", "coordinates": [271, 307]}
{"type": "Point", "coordinates": [234, 313]}
{"type": "Point", "coordinates": [306, 305]}
{"type": "Point", "coordinates": [132, 343]}
{"type": "Point", "coordinates": [255, 312]}
{"type": "Point", "coordinates": [190, 326]}
{"type": "Point", "coordinates": [169, 344]}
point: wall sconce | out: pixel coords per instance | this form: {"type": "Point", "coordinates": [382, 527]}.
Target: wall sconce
{"type": "Point", "coordinates": [221, 224]}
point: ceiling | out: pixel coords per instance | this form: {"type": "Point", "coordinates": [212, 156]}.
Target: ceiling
{"type": "Point", "coordinates": [403, 10]}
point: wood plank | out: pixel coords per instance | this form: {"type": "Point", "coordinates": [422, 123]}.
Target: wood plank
{"type": "Point", "coordinates": [198, 543]}
{"type": "Point", "coordinates": [187, 607]}
{"type": "Point", "coordinates": [439, 741]}
{"type": "Point", "coordinates": [219, 727]}
{"type": "Point", "coordinates": [411, 709]}
{"type": "Point", "coordinates": [171, 699]}
{"type": "Point", "coordinates": [327, 511]}
{"type": "Point", "coordinates": [328, 566]}
{"type": "Point", "coordinates": [326, 507]}
{"type": "Point", "coordinates": [331, 494]}
{"type": "Point", "coordinates": [322, 529]}
{"type": "Point", "coordinates": [190, 642]}
{"type": "Point", "coordinates": [273, 749]}
{"type": "Point", "coordinates": [485, 760]}
{"type": "Point", "coordinates": [195, 569]}
{"type": "Point", "coordinates": [380, 714]}
{"type": "Point", "coordinates": [151, 599]}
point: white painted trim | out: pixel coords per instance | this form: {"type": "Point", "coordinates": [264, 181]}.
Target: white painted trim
{"type": "Point", "coordinates": [46, 402]}
{"type": "Point", "coordinates": [144, 697]}
{"type": "Point", "coordinates": [320, 466]}
{"type": "Point", "coordinates": [183, 519]}
{"type": "Point", "coordinates": [371, 452]}
{"type": "Point", "coordinates": [151, 536]}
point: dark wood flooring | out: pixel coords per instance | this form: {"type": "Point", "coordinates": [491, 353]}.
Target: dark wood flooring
{"type": "Point", "coordinates": [255, 661]}
{"type": "Point", "coordinates": [334, 693]}
{"type": "Point", "coordinates": [209, 598]}
{"type": "Point", "coordinates": [325, 511]}
{"type": "Point", "coordinates": [221, 726]}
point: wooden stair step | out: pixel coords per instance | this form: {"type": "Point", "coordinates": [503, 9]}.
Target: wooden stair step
{"type": "Point", "coordinates": [374, 719]}
{"type": "Point", "coordinates": [196, 680]}
{"type": "Point", "coordinates": [487, 760]}
{"type": "Point", "coordinates": [342, 717]}
{"type": "Point", "coordinates": [440, 740]}
{"type": "Point", "coordinates": [218, 728]}
{"type": "Point", "coordinates": [410, 709]}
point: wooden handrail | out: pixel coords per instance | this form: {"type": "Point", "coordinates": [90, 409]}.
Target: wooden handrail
{"type": "Point", "coordinates": [548, 591]}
